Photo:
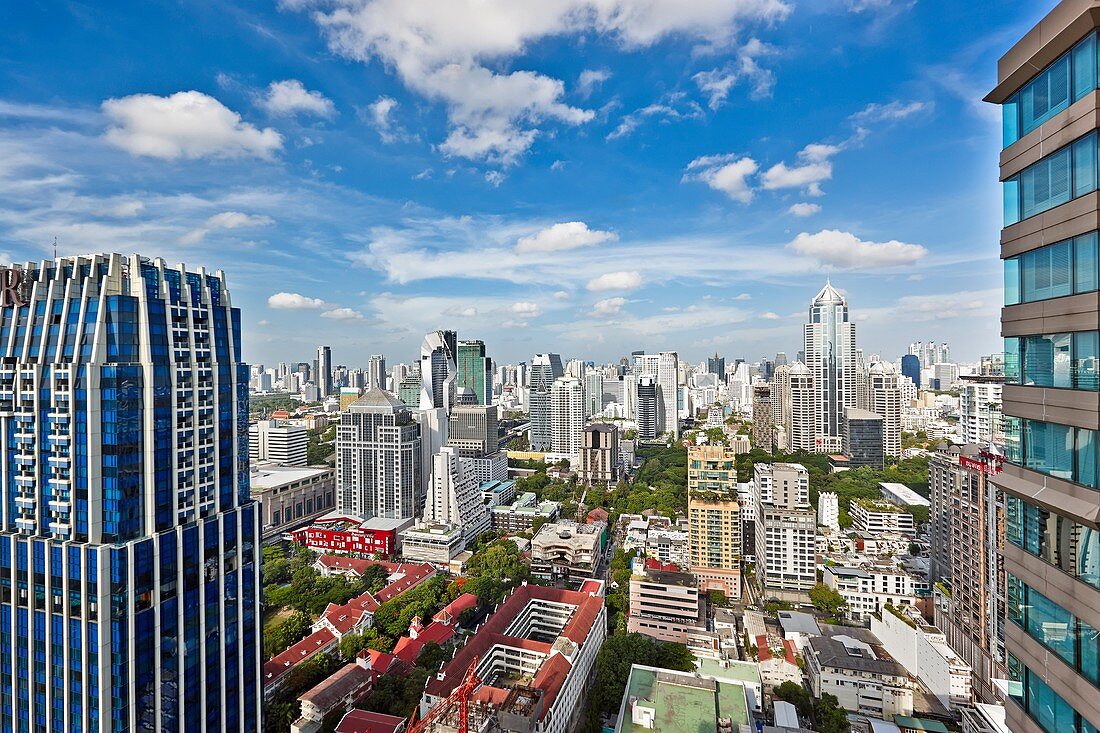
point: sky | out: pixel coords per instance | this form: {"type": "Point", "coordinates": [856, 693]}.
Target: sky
{"type": "Point", "coordinates": [588, 177]}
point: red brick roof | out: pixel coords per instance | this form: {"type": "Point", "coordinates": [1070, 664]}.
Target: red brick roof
{"type": "Point", "coordinates": [362, 721]}
{"type": "Point", "coordinates": [598, 514]}
{"type": "Point", "coordinates": [790, 652]}
{"type": "Point", "coordinates": [413, 575]}
{"type": "Point", "coordinates": [312, 645]}
{"type": "Point", "coordinates": [653, 563]}
{"type": "Point", "coordinates": [763, 653]}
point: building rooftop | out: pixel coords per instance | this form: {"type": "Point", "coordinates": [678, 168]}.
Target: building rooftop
{"type": "Point", "coordinates": [338, 685]}
{"type": "Point", "coordinates": [362, 721]}
{"type": "Point", "coordinates": [266, 476]}
{"type": "Point", "coordinates": [378, 398]}
{"type": "Point", "coordinates": [933, 726]}
{"type": "Point", "coordinates": [901, 492]}
{"type": "Point", "coordinates": [797, 622]}
{"type": "Point", "coordinates": [681, 702]}
{"type": "Point", "coordinates": [729, 669]}
{"type": "Point", "coordinates": [855, 413]}
{"type": "Point", "coordinates": [835, 652]}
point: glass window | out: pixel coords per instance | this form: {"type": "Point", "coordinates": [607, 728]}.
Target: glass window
{"type": "Point", "coordinates": [1047, 272]}
{"type": "Point", "coordinates": [1086, 349]}
{"type": "Point", "coordinates": [1084, 67]}
{"type": "Point", "coordinates": [1046, 360]}
{"type": "Point", "coordinates": [1065, 81]}
{"type": "Point", "coordinates": [1052, 181]}
{"type": "Point", "coordinates": [1012, 281]}
{"type": "Point", "coordinates": [1085, 263]}
{"type": "Point", "coordinates": [1012, 361]}
{"type": "Point", "coordinates": [1048, 448]}
{"type": "Point", "coordinates": [1086, 458]}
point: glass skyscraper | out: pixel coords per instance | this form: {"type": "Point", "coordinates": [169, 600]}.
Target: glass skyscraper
{"type": "Point", "coordinates": [475, 370]}
{"type": "Point", "coordinates": [129, 566]}
{"type": "Point", "coordinates": [1047, 88]}
{"type": "Point", "coordinates": [830, 341]}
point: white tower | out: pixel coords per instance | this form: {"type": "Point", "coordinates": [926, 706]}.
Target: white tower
{"type": "Point", "coordinates": [830, 345]}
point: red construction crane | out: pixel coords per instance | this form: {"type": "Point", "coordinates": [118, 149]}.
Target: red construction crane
{"type": "Point", "coordinates": [460, 696]}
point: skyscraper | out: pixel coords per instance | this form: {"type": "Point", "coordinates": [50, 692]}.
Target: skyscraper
{"type": "Point", "coordinates": [475, 370]}
{"type": "Point", "coordinates": [663, 367]}
{"type": "Point", "coordinates": [884, 399]}
{"type": "Point", "coordinates": [376, 373]}
{"type": "Point", "coordinates": [378, 459]}
{"type": "Point", "coordinates": [910, 367]}
{"type": "Point", "coordinates": [1046, 85]}
{"type": "Point", "coordinates": [566, 416]}
{"type": "Point", "coordinates": [129, 565]}
{"type": "Point", "coordinates": [323, 373]}
{"type": "Point", "coordinates": [800, 410]}
{"type": "Point", "coordinates": [763, 430]}
{"type": "Point", "coordinates": [714, 519]}
{"type": "Point", "coordinates": [454, 497]}
{"type": "Point", "coordinates": [438, 370]}
{"type": "Point", "coordinates": [717, 365]}
{"type": "Point", "coordinates": [545, 368]}
{"type": "Point", "coordinates": [646, 407]}
{"type": "Point", "coordinates": [830, 345]}
{"type": "Point", "coordinates": [786, 525]}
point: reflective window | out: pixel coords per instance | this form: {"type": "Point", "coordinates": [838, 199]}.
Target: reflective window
{"type": "Point", "coordinates": [1065, 81]}
{"type": "Point", "coordinates": [1053, 449]}
{"type": "Point", "coordinates": [1074, 641]}
{"type": "Point", "coordinates": [1063, 175]}
{"type": "Point", "coordinates": [1056, 270]}
{"type": "Point", "coordinates": [1065, 360]}
{"type": "Point", "coordinates": [1071, 547]}
{"type": "Point", "coordinates": [1053, 714]}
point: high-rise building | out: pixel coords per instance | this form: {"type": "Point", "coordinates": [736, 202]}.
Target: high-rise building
{"type": "Point", "coordinates": [830, 345]}
{"type": "Point", "coordinates": [129, 545]}
{"type": "Point", "coordinates": [600, 455]}
{"type": "Point", "coordinates": [646, 407]}
{"type": "Point", "coordinates": [910, 367]}
{"type": "Point", "coordinates": [714, 519]}
{"type": "Point", "coordinates": [664, 368]}
{"type": "Point", "coordinates": [966, 520]}
{"type": "Point", "coordinates": [786, 527]}
{"type": "Point", "coordinates": [802, 430]}
{"type": "Point", "coordinates": [376, 373]}
{"type": "Point", "coordinates": [475, 370]}
{"type": "Point", "coordinates": [862, 441]}
{"type": "Point", "coordinates": [472, 429]}
{"type": "Point", "coordinates": [408, 389]}
{"type": "Point", "coordinates": [322, 376]}
{"type": "Point", "coordinates": [763, 431]}
{"type": "Point", "coordinates": [828, 510]}
{"type": "Point", "coordinates": [1046, 85]}
{"type": "Point", "coordinates": [593, 392]}
{"type": "Point", "coordinates": [438, 371]}
{"type": "Point", "coordinates": [566, 416]}
{"type": "Point", "coordinates": [545, 369]}
{"type": "Point", "coordinates": [980, 409]}
{"type": "Point", "coordinates": [717, 365]}
{"type": "Point", "coordinates": [454, 497]}
{"type": "Point", "coordinates": [278, 442]}
{"type": "Point", "coordinates": [378, 459]}
{"type": "Point", "coordinates": [884, 399]}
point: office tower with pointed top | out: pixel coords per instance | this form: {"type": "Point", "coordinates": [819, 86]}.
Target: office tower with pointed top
{"type": "Point", "coordinates": [545, 369]}
{"type": "Point", "coordinates": [830, 346]}
{"type": "Point", "coordinates": [438, 370]}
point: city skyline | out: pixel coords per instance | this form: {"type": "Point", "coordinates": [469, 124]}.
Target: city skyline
{"type": "Point", "coordinates": [690, 203]}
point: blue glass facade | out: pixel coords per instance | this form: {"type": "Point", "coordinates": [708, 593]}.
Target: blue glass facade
{"type": "Point", "coordinates": [128, 543]}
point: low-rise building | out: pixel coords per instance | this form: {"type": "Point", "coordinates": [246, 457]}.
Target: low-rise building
{"type": "Point", "coordinates": [922, 649]}
{"type": "Point", "coordinates": [663, 701]}
{"type": "Point", "coordinates": [668, 606]}
{"type": "Point", "coordinates": [567, 551]}
{"type": "Point", "coordinates": [433, 543]}
{"type": "Point", "coordinates": [868, 589]}
{"type": "Point", "coordinates": [345, 533]}
{"type": "Point", "coordinates": [668, 546]}
{"type": "Point", "coordinates": [901, 495]}
{"type": "Point", "coordinates": [874, 517]}
{"type": "Point", "coordinates": [521, 515]}
{"type": "Point", "coordinates": [341, 690]}
{"type": "Point", "coordinates": [290, 496]}
{"type": "Point", "coordinates": [497, 492]}
{"type": "Point", "coordinates": [362, 721]}
{"type": "Point", "coordinates": [864, 681]}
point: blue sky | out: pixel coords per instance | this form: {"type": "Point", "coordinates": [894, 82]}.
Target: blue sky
{"type": "Point", "coordinates": [584, 176]}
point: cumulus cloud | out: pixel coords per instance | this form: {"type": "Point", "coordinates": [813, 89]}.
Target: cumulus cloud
{"type": "Point", "coordinates": [590, 79]}
{"type": "Point", "coordinates": [834, 248]}
{"type": "Point", "coordinates": [608, 307]}
{"type": "Point", "coordinates": [770, 316]}
{"type": "Point", "coordinates": [672, 107]}
{"type": "Point", "coordinates": [342, 314]}
{"type": "Point", "coordinates": [225, 220]}
{"type": "Point", "coordinates": [625, 280]}
{"type": "Point", "coordinates": [294, 301]}
{"type": "Point", "coordinates": [187, 125]}
{"type": "Point", "coordinates": [726, 173]}
{"type": "Point", "coordinates": [379, 114]}
{"type": "Point", "coordinates": [743, 296]}
{"type": "Point", "coordinates": [290, 97]}
{"type": "Point", "coordinates": [564, 236]}
{"type": "Point", "coordinates": [456, 52]}
{"type": "Point", "coordinates": [814, 166]}
{"type": "Point", "coordinates": [525, 308]}
{"type": "Point", "coordinates": [889, 112]}
{"type": "Point", "coordinates": [804, 209]}
{"type": "Point", "coordinates": [717, 83]}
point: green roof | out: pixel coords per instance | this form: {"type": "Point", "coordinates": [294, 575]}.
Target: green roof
{"type": "Point", "coordinates": [737, 671]}
{"type": "Point", "coordinates": [681, 702]}
{"type": "Point", "coordinates": [933, 726]}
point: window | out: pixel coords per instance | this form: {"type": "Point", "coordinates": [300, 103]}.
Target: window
{"type": "Point", "coordinates": [1059, 177]}
{"type": "Point", "coordinates": [1063, 268]}
{"type": "Point", "coordinates": [1064, 360]}
{"type": "Point", "coordinates": [1058, 86]}
{"type": "Point", "coordinates": [1072, 548]}
{"type": "Point", "coordinates": [1074, 641]}
{"type": "Point", "coordinates": [1052, 449]}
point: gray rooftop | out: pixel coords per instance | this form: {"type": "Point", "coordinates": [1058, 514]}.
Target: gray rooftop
{"type": "Point", "coordinates": [379, 398]}
{"type": "Point", "coordinates": [834, 653]}
{"type": "Point", "coordinates": [798, 622]}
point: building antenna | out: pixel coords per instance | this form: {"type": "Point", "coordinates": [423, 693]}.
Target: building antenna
{"type": "Point", "coordinates": [55, 248]}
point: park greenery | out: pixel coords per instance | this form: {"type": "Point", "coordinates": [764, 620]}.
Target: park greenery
{"type": "Point", "coordinates": [321, 444]}
{"type": "Point", "coordinates": [268, 403]}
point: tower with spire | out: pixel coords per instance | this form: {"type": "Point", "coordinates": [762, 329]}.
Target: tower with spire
{"type": "Point", "coordinates": [830, 347]}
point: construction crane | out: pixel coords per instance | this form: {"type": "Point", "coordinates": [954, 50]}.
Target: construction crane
{"type": "Point", "coordinates": [459, 698]}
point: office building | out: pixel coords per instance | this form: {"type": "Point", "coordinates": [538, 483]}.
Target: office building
{"type": "Point", "coordinates": [797, 426]}
{"type": "Point", "coordinates": [378, 459]}
{"type": "Point", "coordinates": [646, 412]}
{"type": "Point", "coordinates": [669, 606]}
{"type": "Point", "coordinates": [786, 527]}
{"type": "Point", "coordinates": [664, 367]}
{"type": "Point", "coordinates": [717, 365]}
{"type": "Point", "coordinates": [567, 551]}
{"type": "Point", "coordinates": [830, 346]}
{"type": "Point", "coordinates": [438, 370]}
{"type": "Point", "coordinates": [475, 370]}
{"type": "Point", "coordinates": [473, 429]}
{"type": "Point", "coordinates": [129, 544]}
{"type": "Point", "coordinates": [967, 525]}
{"type": "Point", "coordinates": [278, 442]}
{"type": "Point", "coordinates": [376, 374]}
{"type": "Point", "coordinates": [545, 370]}
{"type": "Point", "coordinates": [714, 519]}
{"type": "Point", "coordinates": [910, 367]}
{"type": "Point", "coordinates": [521, 515]}
{"type": "Point", "coordinates": [1046, 86]}
{"type": "Point", "coordinates": [566, 416]}
{"type": "Point", "coordinates": [600, 455]}
{"type": "Point", "coordinates": [872, 517]}
{"type": "Point", "coordinates": [408, 389]}
{"type": "Point", "coordinates": [923, 651]}
{"type": "Point", "coordinates": [980, 409]}
{"type": "Point", "coordinates": [322, 372]}
{"type": "Point", "coordinates": [454, 496]}
{"type": "Point", "coordinates": [763, 430]}
{"type": "Point", "coordinates": [884, 399]}
{"type": "Point", "coordinates": [289, 497]}
{"type": "Point", "coordinates": [862, 438]}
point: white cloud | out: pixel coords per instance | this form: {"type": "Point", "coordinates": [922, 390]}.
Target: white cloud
{"type": "Point", "coordinates": [743, 296]}
{"type": "Point", "coordinates": [525, 308]}
{"type": "Point", "coordinates": [625, 280]}
{"type": "Point", "coordinates": [123, 209]}
{"type": "Point", "coordinates": [564, 236]}
{"type": "Point", "coordinates": [813, 167]}
{"type": "Point", "coordinates": [494, 178]}
{"type": "Point", "coordinates": [468, 311]}
{"type": "Point", "coordinates": [342, 314]}
{"type": "Point", "coordinates": [608, 307]}
{"type": "Point", "coordinates": [188, 125]}
{"type": "Point", "coordinates": [379, 114]}
{"type": "Point", "coordinates": [561, 294]}
{"type": "Point", "coordinates": [590, 79]}
{"type": "Point", "coordinates": [456, 52]}
{"type": "Point", "coordinates": [804, 209]}
{"type": "Point", "coordinates": [672, 107]}
{"type": "Point", "coordinates": [726, 173]}
{"type": "Point", "coordinates": [834, 248]}
{"type": "Point", "coordinates": [294, 301]}
{"type": "Point", "coordinates": [225, 220]}
{"type": "Point", "coordinates": [890, 111]}
{"type": "Point", "coordinates": [879, 6]}
{"type": "Point", "coordinates": [290, 97]}
{"type": "Point", "coordinates": [717, 83]}
{"type": "Point", "coordinates": [770, 316]}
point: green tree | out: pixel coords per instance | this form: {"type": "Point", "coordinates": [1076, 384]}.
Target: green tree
{"type": "Point", "coordinates": [282, 636]}
{"type": "Point", "coordinates": [829, 717]}
{"type": "Point", "coordinates": [827, 601]}
{"type": "Point", "coordinates": [796, 695]}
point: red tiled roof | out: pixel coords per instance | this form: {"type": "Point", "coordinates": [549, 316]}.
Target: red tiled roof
{"type": "Point", "coordinates": [351, 679]}
{"type": "Point", "coordinates": [408, 649]}
{"type": "Point", "coordinates": [356, 565]}
{"type": "Point", "coordinates": [653, 563]}
{"type": "Point", "coordinates": [790, 652]}
{"type": "Point", "coordinates": [312, 645]}
{"type": "Point", "coordinates": [592, 586]}
{"type": "Point", "coordinates": [413, 575]}
{"type": "Point", "coordinates": [598, 514]}
{"type": "Point", "coordinates": [550, 678]}
{"type": "Point", "coordinates": [489, 694]}
{"type": "Point", "coordinates": [763, 653]}
{"type": "Point", "coordinates": [362, 721]}
{"type": "Point", "coordinates": [453, 609]}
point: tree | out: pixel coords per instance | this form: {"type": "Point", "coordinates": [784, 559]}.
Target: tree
{"type": "Point", "coordinates": [829, 716]}
{"type": "Point", "coordinates": [284, 635]}
{"type": "Point", "coordinates": [796, 695]}
{"type": "Point", "coordinates": [613, 662]}
{"type": "Point", "coordinates": [827, 601]}
{"type": "Point", "coordinates": [717, 598]}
